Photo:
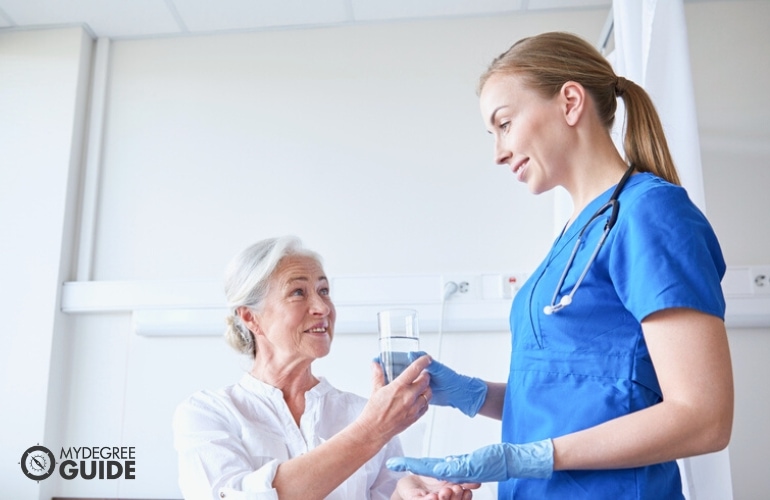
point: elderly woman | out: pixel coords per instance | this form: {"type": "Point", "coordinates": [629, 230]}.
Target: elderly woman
{"type": "Point", "coordinates": [281, 432]}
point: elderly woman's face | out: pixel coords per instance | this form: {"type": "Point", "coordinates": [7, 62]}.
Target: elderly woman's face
{"type": "Point", "coordinates": [297, 319]}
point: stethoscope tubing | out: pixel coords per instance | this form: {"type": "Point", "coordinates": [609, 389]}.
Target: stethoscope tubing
{"type": "Point", "coordinates": [614, 205]}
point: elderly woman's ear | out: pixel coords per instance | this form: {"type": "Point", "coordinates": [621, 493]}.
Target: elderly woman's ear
{"type": "Point", "coordinates": [249, 318]}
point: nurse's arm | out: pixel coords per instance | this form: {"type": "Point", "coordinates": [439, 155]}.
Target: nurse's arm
{"type": "Point", "coordinates": [690, 352]}
{"type": "Point", "coordinates": [493, 404]}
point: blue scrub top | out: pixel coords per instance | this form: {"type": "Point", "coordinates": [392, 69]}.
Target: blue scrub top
{"type": "Point", "coordinates": [588, 363]}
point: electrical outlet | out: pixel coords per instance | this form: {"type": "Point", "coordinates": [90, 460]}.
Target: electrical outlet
{"type": "Point", "coordinates": [515, 281]}
{"type": "Point", "coordinates": [511, 283]}
{"type": "Point", "coordinates": [760, 279]}
{"type": "Point", "coordinates": [468, 287]}
{"type": "Point", "coordinates": [501, 286]}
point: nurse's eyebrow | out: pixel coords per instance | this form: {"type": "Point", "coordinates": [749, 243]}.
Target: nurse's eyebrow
{"type": "Point", "coordinates": [492, 116]}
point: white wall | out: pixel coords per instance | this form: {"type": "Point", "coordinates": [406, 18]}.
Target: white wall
{"type": "Point", "coordinates": [366, 142]}
{"type": "Point", "coordinates": [365, 135]}
{"type": "Point", "coordinates": [43, 84]}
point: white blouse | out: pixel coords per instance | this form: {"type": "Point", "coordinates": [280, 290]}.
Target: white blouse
{"type": "Point", "coordinates": [231, 441]}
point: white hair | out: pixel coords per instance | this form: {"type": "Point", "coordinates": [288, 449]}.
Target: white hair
{"type": "Point", "coordinates": [247, 280]}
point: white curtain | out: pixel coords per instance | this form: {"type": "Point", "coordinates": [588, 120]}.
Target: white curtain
{"type": "Point", "coordinates": [651, 49]}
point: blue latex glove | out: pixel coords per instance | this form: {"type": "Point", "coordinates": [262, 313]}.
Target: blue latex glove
{"type": "Point", "coordinates": [449, 388]}
{"type": "Point", "coordinates": [497, 462]}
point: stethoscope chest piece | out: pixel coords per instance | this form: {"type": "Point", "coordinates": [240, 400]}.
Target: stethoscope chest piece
{"type": "Point", "coordinates": [564, 302]}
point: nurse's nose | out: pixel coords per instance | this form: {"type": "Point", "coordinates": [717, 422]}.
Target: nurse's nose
{"type": "Point", "coordinates": [502, 154]}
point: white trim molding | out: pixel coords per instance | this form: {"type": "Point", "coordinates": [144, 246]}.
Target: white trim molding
{"type": "Point", "coordinates": [198, 307]}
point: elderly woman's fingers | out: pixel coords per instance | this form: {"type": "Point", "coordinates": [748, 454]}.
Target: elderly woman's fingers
{"type": "Point", "coordinates": [378, 377]}
{"type": "Point", "coordinates": [454, 492]}
{"type": "Point", "coordinates": [414, 371]}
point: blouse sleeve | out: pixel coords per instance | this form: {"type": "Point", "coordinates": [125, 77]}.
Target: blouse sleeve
{"type": "Point", "coordinates": [213, 463]}
{"type": "Point", "coordinates": [665, 254]}
{"type": "Point", "coordinates": [385, 482]}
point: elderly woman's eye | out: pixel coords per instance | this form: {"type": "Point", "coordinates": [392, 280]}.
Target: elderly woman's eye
{"type": "Point", "coordinates": [298, 292]}
{"type": "Point", "coordinates": [324, 291]}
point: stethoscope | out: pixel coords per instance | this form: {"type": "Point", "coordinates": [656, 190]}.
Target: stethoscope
{"type": "Point", "coordinates": [614, 205]}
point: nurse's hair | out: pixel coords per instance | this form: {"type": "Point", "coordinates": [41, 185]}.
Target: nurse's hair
{"type": "Point", "coordinates": [247, 281]}
{"type": "Point", "coordinates": [549, 60]}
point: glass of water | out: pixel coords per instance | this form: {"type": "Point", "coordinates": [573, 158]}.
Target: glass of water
{"type": "Point", "coordinates": [399, 335]}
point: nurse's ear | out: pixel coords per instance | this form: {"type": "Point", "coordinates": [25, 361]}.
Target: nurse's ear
{"type": "Point", "coordinates": [573, 102]}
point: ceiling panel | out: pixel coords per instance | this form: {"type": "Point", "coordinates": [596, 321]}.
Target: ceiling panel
{"type": "Point", "coordinates": [217, 15]}
{"type": "Point", "coordinates": [145, 18]}
{"type": "Point", "coordinates": [115, 18]}
{"type": "Point", "coordinates": [567, 4]}
{"type": "Point", "coordinates": [365, 10]}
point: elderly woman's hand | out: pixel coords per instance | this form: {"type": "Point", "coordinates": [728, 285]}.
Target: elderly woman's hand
{"type": "Point", "coordinates": [413, 487]}
{"type": "Point", "coordinates": [394, 407]}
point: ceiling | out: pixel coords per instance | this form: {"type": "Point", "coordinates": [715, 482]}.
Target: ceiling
{"type": "Point", "coordinates": [151, 18]}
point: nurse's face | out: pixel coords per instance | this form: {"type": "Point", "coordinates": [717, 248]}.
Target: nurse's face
{"type": "Point", "coordinates": [527, 131]}
{"type": "Point", "coordinates": [297, 318]}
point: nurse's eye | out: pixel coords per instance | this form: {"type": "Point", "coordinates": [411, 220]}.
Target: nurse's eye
{"type": "Point", "coordinates": [505, 126]}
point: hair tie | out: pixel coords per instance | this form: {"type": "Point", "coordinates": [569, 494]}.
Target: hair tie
{"type": "Point", "coordinates": [621, 84]}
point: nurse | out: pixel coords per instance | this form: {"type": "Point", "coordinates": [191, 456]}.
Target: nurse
{"type": "Point", "coordinates": [631, 371]}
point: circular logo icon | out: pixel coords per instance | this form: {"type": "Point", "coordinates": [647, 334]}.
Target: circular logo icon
{"type": "Point", "coordinates": [38, 463]}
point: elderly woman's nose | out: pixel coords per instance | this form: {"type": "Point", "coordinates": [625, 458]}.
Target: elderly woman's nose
{"type": "Point", "coordinates": [320, 304]}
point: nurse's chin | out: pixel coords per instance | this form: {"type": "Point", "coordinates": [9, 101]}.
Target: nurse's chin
{"type": "Point", "coordinates": [536, 188]}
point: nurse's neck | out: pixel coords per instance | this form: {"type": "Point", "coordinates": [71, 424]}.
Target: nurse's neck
{"type": "Point", "coordinates": [586, 185]}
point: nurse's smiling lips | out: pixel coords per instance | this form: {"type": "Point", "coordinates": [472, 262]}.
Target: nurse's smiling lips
{"type": "Point", "coordinates": [519, 168]}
